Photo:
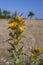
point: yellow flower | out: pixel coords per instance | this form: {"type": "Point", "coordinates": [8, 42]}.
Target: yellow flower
{"type": "Point", "coordinates": [37, 49]}
{"type": "Point", "coordinates": [13, 25]}
{"type": "Point", "coordinates": [15, 41]}
{"type": "Point", "coordinates": [20, 18]}
{"type": "Point", "coordinates": [21, 29]}
{"type": "Point", "coordinates": [22, 48]}
{"type": "Point", "coordinates": [32, 56]}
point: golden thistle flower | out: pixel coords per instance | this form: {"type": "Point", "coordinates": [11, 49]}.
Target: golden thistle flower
{"type": "Point", "coordinates": [15, 41]}
{"type": "Point", "coordinates": [22, 48]}
{"type": "Point", "coordinates": [32, 56]}
{"type": "Point", "coordinates": [37, 49]}
{"type": "Point", "coordinates": [13, 25]}
{"type": "Point", "coordinates": [20, 18]}
{"type": "Point", "coordinates": [21, 29]}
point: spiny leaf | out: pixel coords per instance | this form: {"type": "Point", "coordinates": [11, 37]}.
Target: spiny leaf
{"type": "Point", "coordinates": [21, 13]}
{"type": "Point", "coordinates": [9, 39]}
{"type": "Point", "coordinates": [10, 49]}
{"type": "Point", "coordinates": [12, 45]}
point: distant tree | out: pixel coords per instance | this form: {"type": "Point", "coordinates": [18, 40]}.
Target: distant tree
{"type": "Point", "coordinates": [0, 13]}
{"type": "Point", "coordinates": [31, 14]}
{"type": "Point", "coordinates": [6, 14]}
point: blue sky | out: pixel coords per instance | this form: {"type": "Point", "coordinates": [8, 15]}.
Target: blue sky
{"type": "Point", "coordinates": [23, 6]}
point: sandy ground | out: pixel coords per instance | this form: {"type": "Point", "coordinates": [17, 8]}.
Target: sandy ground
{"type": "Point", "coordinates": [33, 36]}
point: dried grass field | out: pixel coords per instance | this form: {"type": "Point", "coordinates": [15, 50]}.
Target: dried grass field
{"type": "Point", "coordinates": [33, 36]}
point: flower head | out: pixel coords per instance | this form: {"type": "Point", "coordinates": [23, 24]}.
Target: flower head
{"type": "Point", "coordinates": [15, 41]}
{"type": "Point", "coordinates": [20, 18]}
{"type": "Point", "coordinates": [21, 29]}
{"type": "Point", "coordinates": [22, 48]}
{"type": "Point", "coordinates": [37, 49]}
{"type": "Point", "coordinates": [32, 56]}
{"type": "Point", "coordinates": [13, 25]}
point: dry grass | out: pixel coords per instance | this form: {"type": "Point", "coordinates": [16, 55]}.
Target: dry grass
{"type": "Point", "coordinates": [33, 35]}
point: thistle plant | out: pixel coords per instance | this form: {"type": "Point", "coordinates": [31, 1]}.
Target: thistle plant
{"type": "Point", "coordinates": [16, 24]}
{"type": "Point", "coordinates": [36, 58]}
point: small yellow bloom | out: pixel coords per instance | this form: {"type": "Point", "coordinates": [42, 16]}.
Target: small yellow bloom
{"type": "Point", "coordinates": [20, 18]}
{"type": "Point", "coordinates": [22, 48]}
{"type": "Point", "coordinates": [15, 41]}
{"type": "Point", "coordinates": [32, 56]}
{"type": "Point", "coordinates": [13, 25]}
{"type": "Point", "coordinates": [21, 29]}
{"type": "Point", "coordinates": [37, 49]}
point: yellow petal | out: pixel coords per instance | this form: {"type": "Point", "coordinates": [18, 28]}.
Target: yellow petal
{"type": "Point", "coordinates": [15, 41]}
{"type": "Point", "coordinates": [21, 29]}
{"type": "Point", "coordinates": [20, 18]}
